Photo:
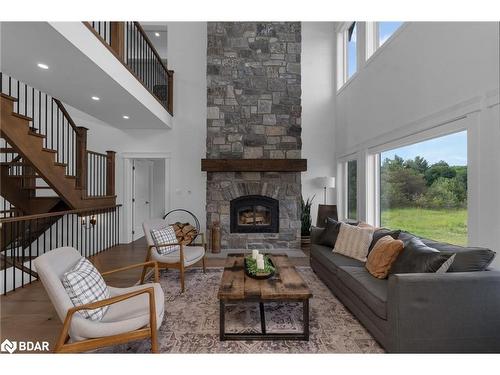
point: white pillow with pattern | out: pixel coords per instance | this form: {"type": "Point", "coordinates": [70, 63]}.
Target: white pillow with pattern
{"type": "Point", "coordinates": [84, 284]}
{"type": "Point", "coordinates": [353, 241]}
{"type": "Point", "coordinates": [165, 236]}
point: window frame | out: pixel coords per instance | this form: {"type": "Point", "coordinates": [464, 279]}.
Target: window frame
{"type": "Point", "coordinates": [343, 191]}
{"type": "Point", "coordinates": [342, 54]}
{"type": "Point", "coordinates": [372, 170]}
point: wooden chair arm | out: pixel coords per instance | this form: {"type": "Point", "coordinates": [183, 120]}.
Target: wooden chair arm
{"type": "Point", "coordinates": [150, 263]}
{"type": "Point", "coordinates": [202, 235]}
{"type": "Point", "coordinates": [107, 302]}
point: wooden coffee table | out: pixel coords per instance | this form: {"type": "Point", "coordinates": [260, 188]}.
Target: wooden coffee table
{"type": "Point", "coordinates": [285, 286]}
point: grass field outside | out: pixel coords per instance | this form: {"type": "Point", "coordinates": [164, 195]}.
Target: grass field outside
{"type": "Point", "coordinates": [446, 225]}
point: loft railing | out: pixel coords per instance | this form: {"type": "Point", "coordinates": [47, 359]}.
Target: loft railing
{"type": "Point", "coordinates": [50, 118]}
{"type": "Point", "coordinates": [100, 182]}
{"type": "Point", "coordinates": [24, 238]}
{"type": "Point", "coordinates": [130, 44]}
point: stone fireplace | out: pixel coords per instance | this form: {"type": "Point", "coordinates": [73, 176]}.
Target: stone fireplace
{"type": "Point", "coordinates": [254, 117]}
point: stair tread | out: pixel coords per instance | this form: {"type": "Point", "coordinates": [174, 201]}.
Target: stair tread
{"type": "Point", "coordinates": [27, 118]}
{"type": "Point", "coordinates": [49, 150]}
{"type": "Point", "coordinates": [37, 188]}
{"type": "Point", "coordinates": [8, 97]}
{"type": "Point", "coordinates": [23, 176]}
{"type": "Point", "coordinates": [60, 164]}
{"type": "Point", "coordinates": [6, 150]}
{"type": "Point", "coordinates": [36, 134]}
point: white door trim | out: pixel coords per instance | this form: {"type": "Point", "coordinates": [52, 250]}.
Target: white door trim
{"type": "Point", "coordinates": [127, 184]}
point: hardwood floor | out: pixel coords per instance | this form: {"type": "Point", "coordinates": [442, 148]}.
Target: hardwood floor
{"type": "Point", "coordinates": [28, 315]}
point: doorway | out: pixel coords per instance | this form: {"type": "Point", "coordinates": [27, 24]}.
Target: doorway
{"type": "Point", "coordinates": [142, 186]}
{"type": "Point", "coordinates": [146, 191]}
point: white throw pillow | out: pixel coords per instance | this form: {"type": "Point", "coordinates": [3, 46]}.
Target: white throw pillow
{"type": "Point", "coordinates": [84, 284]}
{"type": "Point", "coordinates": [354, 241]}
{"type": "Point", "coordinates": [165, 236]}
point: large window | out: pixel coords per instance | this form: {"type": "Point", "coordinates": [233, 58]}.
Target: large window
{"type": "Point", "coordinates": [352, 64]}
{"type": "Point", "coordinates": [423, 188]}
{"type": "Point", "coordinates": [352, 189]}
{"type": "Point", "coordinates": [385, 30]}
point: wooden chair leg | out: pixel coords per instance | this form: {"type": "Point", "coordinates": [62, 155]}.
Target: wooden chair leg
{"type": "Point", "coordinates": [145, 268]}
{"type": "Point", "coordinates": [203, 262]}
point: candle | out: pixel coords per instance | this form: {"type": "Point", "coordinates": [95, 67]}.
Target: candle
{"type": "Point", "coordinates": [255, 254]}
{"type": "Point", "coordinates": [260, 263]}
{"type": "Point", "coordinates": [260, 256]}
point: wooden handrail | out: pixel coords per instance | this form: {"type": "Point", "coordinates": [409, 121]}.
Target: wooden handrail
{"type": "Point", "coordinates": [58, 213]}
{"type": "Point", "coordinates": [96, 153]}
{"type": "Point", "coordinates": [148, 41]}
{"type": "Point", "coordinates": [65, 113]}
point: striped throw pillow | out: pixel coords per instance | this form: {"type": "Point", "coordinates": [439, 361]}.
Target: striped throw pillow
{"type": "Point", "coordinates": [84, 284]}
{"type": "Point", "coordinates": [353, 242]}
{"type": "Point", "coordinates": [165, 236]}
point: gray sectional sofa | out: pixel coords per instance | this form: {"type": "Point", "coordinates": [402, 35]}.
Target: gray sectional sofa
{"type": "Point", "coordinates": [416, 313]}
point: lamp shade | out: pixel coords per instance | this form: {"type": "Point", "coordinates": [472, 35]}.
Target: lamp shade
{"type": "Point", "coordinates": [327, 182]}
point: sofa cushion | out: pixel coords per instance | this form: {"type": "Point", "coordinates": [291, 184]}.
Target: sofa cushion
{"type": "Point", "coordinates": [332, 260]}
{"type": "Point", "coordinates": [467, 259]}
{"type": "Point", "coordinates": [372, 291]}
{"type": "Point", "coordinates": [418, 258]}
{"type": "Point", "coordinates": [329, 235]}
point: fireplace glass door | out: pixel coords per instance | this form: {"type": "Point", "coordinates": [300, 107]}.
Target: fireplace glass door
{"type": "Point", "coordinates": [254, 214]}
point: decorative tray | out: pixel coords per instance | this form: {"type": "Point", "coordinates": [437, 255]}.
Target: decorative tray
{"type": "Point", "coordinates": [251, 269]}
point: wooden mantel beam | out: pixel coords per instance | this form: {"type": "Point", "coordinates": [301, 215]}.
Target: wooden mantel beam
{"type": "Point", "coordinates": [254, 165]}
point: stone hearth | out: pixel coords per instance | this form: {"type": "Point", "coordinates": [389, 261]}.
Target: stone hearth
{"type": "Point", "coordinates": [254, 112]}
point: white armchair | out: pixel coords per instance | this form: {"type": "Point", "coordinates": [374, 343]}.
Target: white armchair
{"type": "Point", "coordinates": [134, 313]}
{"type": "Point", "coordinates": [180, 259]}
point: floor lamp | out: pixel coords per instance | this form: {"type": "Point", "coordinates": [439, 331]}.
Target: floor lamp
{"type": "Point", "coordinates": [324, 210]}
{"type": "Point", "coordinates": [327, 182]}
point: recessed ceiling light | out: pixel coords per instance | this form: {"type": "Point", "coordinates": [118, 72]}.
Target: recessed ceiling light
{"type": "Point", "coordinates": [126, 117]}
{"type": "Point", "coordinates": [157, 34]}
{"type": "Point", "coordinates": [43, 66]}
{"type": "Point", "coordinates": [96, 98]}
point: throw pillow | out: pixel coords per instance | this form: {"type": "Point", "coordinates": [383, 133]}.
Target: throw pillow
{"type": "Point", "coordinates": [84, 284]}
{"type": "Point", "coordinates": [329, 235]}
{"type": "Point", "coordinates": [468, 259]}
{"type": "Point", "coordinates": [446, 265]}
{"type": "Point", "coordinates": [353, 241]}
{"type": "Point", "coordinates": [382, 232]}
{"type": "Point", "coordinates": [418, 258]}
{"type": "Point", "coordinates": [383, 255]}
{"type": "Point", "coordinates": [165, 236]}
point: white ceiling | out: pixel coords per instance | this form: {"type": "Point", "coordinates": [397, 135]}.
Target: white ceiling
{"type": "Point", "coordinates": [72, 76]}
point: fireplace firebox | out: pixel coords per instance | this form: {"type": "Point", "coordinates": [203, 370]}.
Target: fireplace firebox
{"type": "Point", "coordinates": [254, 214]}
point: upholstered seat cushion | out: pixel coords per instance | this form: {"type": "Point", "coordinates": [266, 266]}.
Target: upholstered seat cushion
{"type": "Point", "coordinates": [120, 317]}
{"type": "Point", "coordinates": [332, 260]}
{"type": "Point", "coordinates": [192, 254]}
{"type": "Point", "coordinates": [370, 290]}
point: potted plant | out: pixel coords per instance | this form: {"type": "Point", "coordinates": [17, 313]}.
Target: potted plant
{"type": "Point", "coordinates": [305, 219]}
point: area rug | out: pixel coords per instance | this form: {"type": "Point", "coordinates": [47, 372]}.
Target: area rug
{"type": "Point", "coordinates": [191, 321]}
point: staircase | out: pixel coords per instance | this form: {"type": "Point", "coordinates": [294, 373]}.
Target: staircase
{"type": "Point", "coordinates": [46, 174]}
{"type": "Point", "coordinates": [61, 160]}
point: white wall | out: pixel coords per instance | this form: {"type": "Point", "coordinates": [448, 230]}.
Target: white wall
{"type": "Point", "coordinates": [426, 75]}
{"type": "Point", "coordinates": [186, 140]}
{"type": "Point", "coordinates": [158, 191]}
{"type": "Point", "coordinates": [318, 100]}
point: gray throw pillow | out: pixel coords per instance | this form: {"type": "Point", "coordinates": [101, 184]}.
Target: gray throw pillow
{"type": "Point", "coordinates": [329, 235]}
{"type": "Point", "coordinates": [416, 257]}
{"type": "Point", "coordinates": [382, 232]}
{"type": "Point", "coordinates": [468, 259]}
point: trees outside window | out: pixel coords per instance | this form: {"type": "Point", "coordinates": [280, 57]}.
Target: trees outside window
{"type": "Point", "coordinates": [425, 195]}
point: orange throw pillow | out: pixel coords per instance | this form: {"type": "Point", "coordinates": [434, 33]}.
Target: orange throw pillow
{"type": "Point", "coordinates": [383, 255]}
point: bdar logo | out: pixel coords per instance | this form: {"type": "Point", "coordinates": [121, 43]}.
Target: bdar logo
{"type": "Point", "coordinates": [8, 346]}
